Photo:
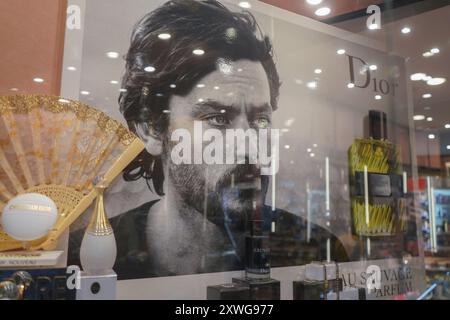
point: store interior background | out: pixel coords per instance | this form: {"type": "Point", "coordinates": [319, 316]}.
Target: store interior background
{"type": "Point", "coordinates": [34, 49]}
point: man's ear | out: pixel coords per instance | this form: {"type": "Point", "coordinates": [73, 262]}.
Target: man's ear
{"type": "Point", "coordinates": [153, 141]}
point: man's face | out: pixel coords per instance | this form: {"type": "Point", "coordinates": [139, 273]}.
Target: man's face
{"type": "Point", "coordinates": [236, 96]}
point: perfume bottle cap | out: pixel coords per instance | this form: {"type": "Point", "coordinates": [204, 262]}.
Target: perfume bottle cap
{"type": "Point", "coordinates": [377, 125]}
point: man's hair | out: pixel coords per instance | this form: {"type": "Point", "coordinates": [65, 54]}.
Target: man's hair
{"type": "Point", "coordinates": [158, 68]}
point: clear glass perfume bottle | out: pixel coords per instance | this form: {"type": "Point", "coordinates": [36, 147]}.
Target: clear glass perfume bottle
{"type": "Point", "coordinates": [378, 201]}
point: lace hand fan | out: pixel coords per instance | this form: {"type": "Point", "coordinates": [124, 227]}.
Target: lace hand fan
{"type": "Point", "coordinates": [57, 148]}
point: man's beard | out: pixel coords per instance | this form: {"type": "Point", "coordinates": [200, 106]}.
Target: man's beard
{"type": "Point", "coordinates": [224, 196]}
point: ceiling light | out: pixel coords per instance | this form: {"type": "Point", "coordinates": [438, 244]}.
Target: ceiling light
{"type": "Point", "coordinates": [198, 52]}
{"type": "Point", "coordinates": [287, 146]}
{"type": "Point", "coordinates": [312, 84]}
{"type": "Point", "coordinates": [114, 82]}
{"type": "Point", "coordinates": [426, 95]}
{"type": "Point", "coordinates": [373, 67]}
{"type": "Point", "coordinates": [223, 111]}
{"type": "Point", "coordinates": [314, 2]}
{"type": "Point", "coordinates": [112, 55]}
{"type": "Point", "coordinates": [435, 50]}
{"type": "Point", "coordinates": [417, 76]}
{"type": "Point", "coordinates": [436, 81]}
{"type": "Point", "coordinates": [216, 88]}
{"type": "Point", "coordinates": [308, 150]}
{"type": "Point", "coordinates": [85, 93]}
{"type": "Point", "coordinates": [122, 90]}
{"type": "Point", "coordinates": [38, 80]}
{"type": "Point", "coordinates": [200, 85]}
{"type": "Point", "coordinates": [350, 85]}
{"type": "Point", "coordinates": [431, 136]}
{"type": "Point", "coordinates": [447, 126]}
{"type": "Point", "coordinates": [448, 147]}
{"type": "Point", "coordinates": [323, 11]}
{"type": "Point", "coordinates": [427, 54]}
{"type": "Point", "coordinates": [245, 5]}
{"type": "Point", "coordinates": [173, 86]}
{"type": "Point", "coordinates": [378, 97]}
{"type": "Point", "coordinates": [318, 71]}
{"type": "Point", "coordinates": [340, 51]}
{"type": "Point", "coordinates": [164, 36]}
{"type": "Point", "coordinates": [373, 26]}
{"type": "Point", "coordinates": [201, 100]}
{"type": "Point", "coordinates": [71, 68]}
{"type": "Point", "coordinates": [429, 119]}
{"type": "Point", "coordinates": [315, 145]}
{"type": "Point", "coordinates": [14, 89]}
{"type": "Point", "coordinates": [406, 30]}
{"type": "Point", "coordinates": [149, 69]}
{"type": "Point", "coordinates": [419, 117]}
{"type": "Point", "coordinates": [312, 155]}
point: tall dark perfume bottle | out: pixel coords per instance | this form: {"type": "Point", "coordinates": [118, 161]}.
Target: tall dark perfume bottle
{"type": "Point", "coordinates": [378, 201]}
{"type": "Point", "coordinates": [257, 255]}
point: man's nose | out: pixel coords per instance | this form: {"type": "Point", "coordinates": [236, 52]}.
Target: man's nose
{"type": "Point", "coordinates": [246, 141]}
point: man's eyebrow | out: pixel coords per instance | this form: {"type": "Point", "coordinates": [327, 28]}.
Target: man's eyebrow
{"type": "Point", "coordinates": [217, 106]}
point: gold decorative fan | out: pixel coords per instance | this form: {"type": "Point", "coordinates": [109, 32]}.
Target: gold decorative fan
{"type": "Point", "coordinates": [57, 147]}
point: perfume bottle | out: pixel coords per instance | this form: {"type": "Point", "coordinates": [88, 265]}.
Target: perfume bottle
{"type": "Point", "coordinates": [98, 248]}
{"type": "Point", "coordinates": [378, 201]}
{"type": "Point", "coordinates": [257, 256]}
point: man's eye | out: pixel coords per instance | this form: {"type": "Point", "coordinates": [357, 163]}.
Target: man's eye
{"type": "Point", "coordinates": [262, 123]}
{"type": "Point", "coordinates": [218, 120]}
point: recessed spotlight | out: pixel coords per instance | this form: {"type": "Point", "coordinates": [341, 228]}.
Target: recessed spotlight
{"type": "Point", "coordinates": [417, 76]}
{"type": "Point", "coordinates": [245, 5]}
{"type": "Point", "coordinates": [85, 93]}
{"type": "Point", "coordinates": [435, 50]}
{"type": "Point", "coordinates": [239, 70]}
{"type": "Point", "coordinates": [315, 145]}
{"type": "Point", "coordinates": [312, 155]}
{"type": "Point", "coordinates": [287, 146]}
{"type": "Point", "coordinates": [426, 95]}
{"type": "Point", "coordinates": [114, 82]}
{"type": "Point", "coordinates": [71, 68]}
{"type": "Point", "coordinates": [429, 119]}
{"type": "Point", "coordinates": [63, 100]}
{"type": "Point", "coordinates": [112, 54]}
{"type": "Point", "coordinates": [312, 84]}
{"type": "Point", "coordinates": [419, 117]}
{"type": "Point", "coordinates": [340, 51]}
{"type": "Point", "coordinates": [373, 67]}
{"type": "Point", "coordinates": [223, 111]}
{"type": "Point", "coordinates": [149, 69]}
{"type": "Point", "coordinates": [216, 88]}
{"type": "Point", "coordinates": [324, 11]}
{"type": "Point", "coordinates": [201, 100]}
{"type": "Point", "coordinates": [38, 80]}
{"type": "Point", "coordinates": [173, 86]}
{"type": "Point", "coordinates": [350, 85]}
{"type": "Point", "coordinates": [164, 36]}
{"type": "Point", "coordinates": [198, 52]}
{"type": "Point", "coordinates": [427, 54]}
{"type": "Point", "coordinates": [436, 81]}
{"type": "Point", "coordinates": [448, 147]}
{"type": "Point", "coordinates": [374, 26]}
{"type": "Point", "coordinates": [406, 30]}
{"type": "Point", "coordinates": [378, 97]}
{"type": "Point", "coordinates": [447, 126]}
{"type": "Point", "coordinates": [201, 85]}
{"type": "Point", "coordinates": [308, 150]}
{"type": "Point", "coordinates": [166, 111]}
{"type": "Point", "coordinates": [431, 136]}
{"type": "Point", "coordinates": [14, 89]}
{"type": "Point", "coordinates": [122, 90]}
{"type": "Point", "coordinates": [318, 71]}
{"type": "Point", "coordinates": [314, 2]}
